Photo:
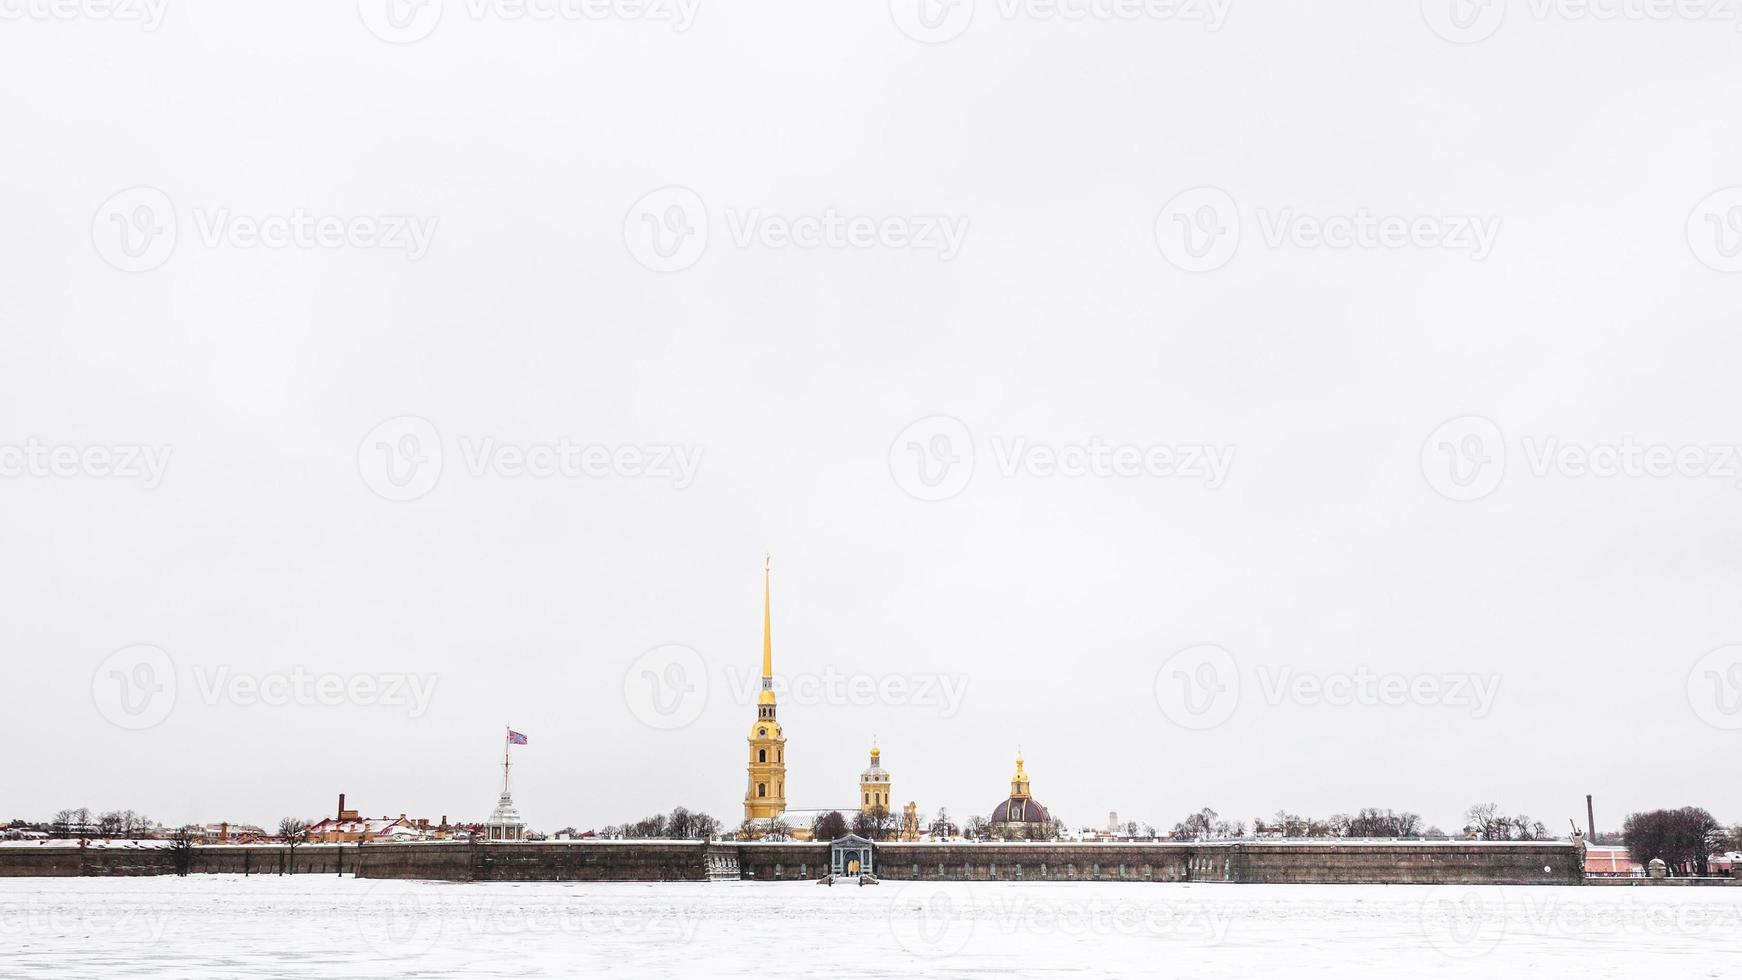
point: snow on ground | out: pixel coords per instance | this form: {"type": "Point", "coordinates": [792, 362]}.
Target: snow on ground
{"type": "Point", "coordinates": [306, 926]}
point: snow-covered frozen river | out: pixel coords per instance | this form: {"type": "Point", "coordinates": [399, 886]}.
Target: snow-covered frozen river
{"type": "Point", "coordinates": [225, 927]}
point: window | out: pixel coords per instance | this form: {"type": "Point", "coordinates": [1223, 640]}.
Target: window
{"type": "Point", "coordinates": [761, 755]}
{"type": "Point", "coordinates": [867, 799]}
{"type": "Point", "coordinates": [761, 733]}
{"type": "Point", "coordinates": [761, 789]}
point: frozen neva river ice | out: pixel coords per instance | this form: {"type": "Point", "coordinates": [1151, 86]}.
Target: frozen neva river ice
{"type": "Point", "coordinates": [307, 926]}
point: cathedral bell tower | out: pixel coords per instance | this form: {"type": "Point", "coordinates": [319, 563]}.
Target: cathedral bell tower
{"type": "Point", "coordinates": [765, 794]}
{"type": "Point", "coordinates": [874, 784]}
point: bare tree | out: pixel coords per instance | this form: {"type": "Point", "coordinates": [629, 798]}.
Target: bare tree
{"type": "Point", "coordinates": [829, 826]}
{"type": "Point", "coordinates": [181, 850]}
{"type": "Point", "coordinates": [1199, 826]}
{"type": "Point", "coordinates": [1484, 822]}
{"type": "Point", "coordinates": [876, 823]}
{"type": "Point", "coordinates": [679, 825]}
{"type": "Point", "coordinates": [293, 831]}
{"type": "Point", "coordinates": [109, 825]}
{"type": "Point", "coordinates": [1682, 837]}
{"type": "Point", "coordinates": [941, 828]}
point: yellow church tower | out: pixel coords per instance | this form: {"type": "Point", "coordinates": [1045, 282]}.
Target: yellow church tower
{"type": "Point", "coordinates": [765, 795]}
{"type": "Point", "coordinates": [874, 784]}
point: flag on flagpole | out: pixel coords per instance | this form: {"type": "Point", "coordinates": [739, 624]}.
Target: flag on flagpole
{"type": "Point", "coordinates": [515, 738]}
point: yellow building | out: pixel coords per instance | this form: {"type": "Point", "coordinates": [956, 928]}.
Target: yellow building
{"type": "Point", "coordinates": [874, 784]}
{"type": "Point", "coordinates": [765, 792]}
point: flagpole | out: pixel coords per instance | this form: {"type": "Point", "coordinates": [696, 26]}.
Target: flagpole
{"type": "Point", "coordinates": [505, 732]}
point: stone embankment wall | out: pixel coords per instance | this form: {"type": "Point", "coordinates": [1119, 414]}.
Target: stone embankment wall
{"type": "Point", "coordinates": [1440, 863]}
{"type": "Point", "coordinates": [53, 861]}
{"type": "Point", "coordinates": [1445, 862]}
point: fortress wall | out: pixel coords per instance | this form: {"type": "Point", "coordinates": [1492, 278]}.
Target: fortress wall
{"type": "Point", "coordinates": [1443, 862]}
{"type": "Point", "coordinates": [782, 861]}
{"type": "Point", "coordinates": [591, 861]}
{"type": "Point", "coordinates": [56, 862]}
{"type": "Point", "coordinates": [70, 861]}
{"type": "Point", "coordinates": [433, 861]}
{"type": "Point", "coordinates": [1048, 862]}
{"type": "Point", "coordinates": [539, 861]}
{"type": "Point", "coordinates": [306, 859]}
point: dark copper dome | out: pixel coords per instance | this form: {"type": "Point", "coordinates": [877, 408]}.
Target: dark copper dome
{"type": "Point", "coordinates": [1016, 810]}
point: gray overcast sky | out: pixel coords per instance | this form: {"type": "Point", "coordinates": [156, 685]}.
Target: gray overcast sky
{"type": "Point", "coordinates": [1404, 274]}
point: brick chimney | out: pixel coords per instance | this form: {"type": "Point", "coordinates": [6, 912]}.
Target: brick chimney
{"type": "Point", "coordinates": [341, 803]}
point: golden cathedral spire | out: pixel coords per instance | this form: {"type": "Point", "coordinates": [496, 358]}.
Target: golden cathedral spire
{"type": "Point", "coordinates": [765, 790]}
{"type": "Point", "coordinates": [767, 631]}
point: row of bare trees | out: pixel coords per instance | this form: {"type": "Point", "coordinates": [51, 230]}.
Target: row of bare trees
{"type": "Point", "coordinates": [81, 823]}
{"type": "Point", "coordinates": [1683, 838]}
{"type": "Point", "coordinates": [1207, 824]}
{"type": "Point", "coordinates": [1485, 821]}
{"type": "Point", "coordinates": [681, 824]}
